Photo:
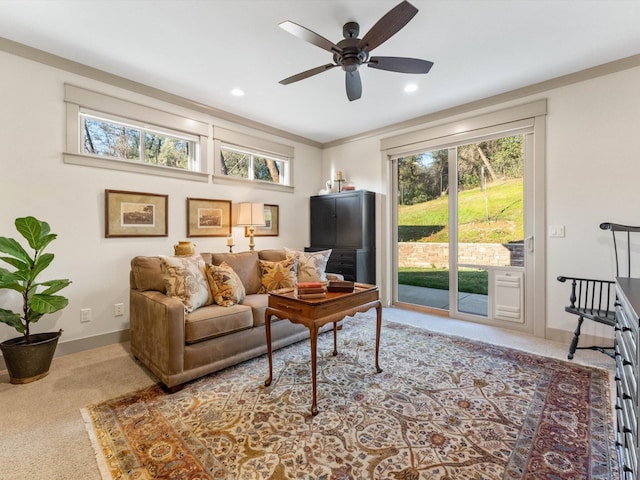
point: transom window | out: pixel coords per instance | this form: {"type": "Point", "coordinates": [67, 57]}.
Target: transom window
{"type": "Point", "coordinates": [109, 137]}
{"type": "Point", "coordinates": [251, 165]}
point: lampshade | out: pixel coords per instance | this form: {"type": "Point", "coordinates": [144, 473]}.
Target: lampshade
{"type": "Point", "coordinates": [251, 214]}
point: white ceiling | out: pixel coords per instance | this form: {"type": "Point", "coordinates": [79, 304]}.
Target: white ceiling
{"type": "Point", "coordinates": [202, 49]}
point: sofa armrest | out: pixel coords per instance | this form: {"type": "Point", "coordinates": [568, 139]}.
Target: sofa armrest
{"type": "Point", "coordinates": [157, 331]}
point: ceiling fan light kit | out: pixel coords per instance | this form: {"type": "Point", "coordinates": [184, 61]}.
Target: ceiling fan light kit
{"type": "Point", "coordinates": [352, 52]}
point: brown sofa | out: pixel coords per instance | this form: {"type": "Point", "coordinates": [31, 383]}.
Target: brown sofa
{"type": "Point", "coordinates": [178, 346]}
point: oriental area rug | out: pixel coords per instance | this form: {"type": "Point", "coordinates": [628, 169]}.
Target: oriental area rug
{"type": "Point", "coordinates": [443, 408]}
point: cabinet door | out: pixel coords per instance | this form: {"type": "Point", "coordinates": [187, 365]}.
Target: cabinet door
{"type": "Point", "coordinates": [323, 221]}
{"type": "Point", "coordinates": [349, 221]}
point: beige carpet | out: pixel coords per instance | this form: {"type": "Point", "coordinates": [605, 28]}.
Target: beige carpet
{"type": "Point", "coordinates": [42, 425]}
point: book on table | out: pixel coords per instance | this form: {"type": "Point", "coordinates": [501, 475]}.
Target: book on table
{"type": "Point", "coordinates": [340, 286]}
{"type": "Point", "coordinates": [310, 290]}
{"type": "Point", "coordinates": [310, 284]}
{"type": "Point", "coordinates": [308, 296]}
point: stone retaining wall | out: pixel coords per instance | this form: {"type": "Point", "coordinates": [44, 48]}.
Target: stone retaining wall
{"type": "Point", "coordinates": [419, 254]}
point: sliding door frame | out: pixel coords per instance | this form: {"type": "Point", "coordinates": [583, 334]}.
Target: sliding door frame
{"type": "Point", "coordinates": [530, 119]}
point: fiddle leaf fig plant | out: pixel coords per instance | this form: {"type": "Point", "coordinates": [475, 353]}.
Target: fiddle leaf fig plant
{"type": "Point", "coordinates": [38, 298]}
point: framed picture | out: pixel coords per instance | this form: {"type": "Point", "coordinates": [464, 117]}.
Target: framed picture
{"type": "Point", "coordinates": [271, 227]}
{"type": "Point", "coordinates": [135, 214]}
{"type": "Point", "coordinates": [208, 218]}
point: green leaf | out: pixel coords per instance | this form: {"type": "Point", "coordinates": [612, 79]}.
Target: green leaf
{"type": "Point", "coordinates": [12, 319]}
{"type": "Point", "coordinates": [13, 248]}
{"type": "Point", "coordinates": [42, 262]}
{"type": "Point", "coordinates": [32, 230]}
{"type": "Point", "coordinates": [4, 273]}
{"type": "Point", "coordinates": [46, 240]}
{"type": "Point", "coordinates": [11, 280]}
{"type": "Point", "coordinates": [34, 316]}
{"type": "Point", "coordinates": [15, 276]}
{"type": "Point", "coordinates": [18, 287]}
{"type": "Point", "coordinates": [17, 263]}
{"type": "Point", "coordinates": [54, 286]}
{"type": "Point", "coordinates": [41, 303]}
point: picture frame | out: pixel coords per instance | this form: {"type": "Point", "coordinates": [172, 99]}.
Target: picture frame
{"type": "Point", "coordinates": [272, 220]}
{"type": "Point", "coordinates": [136, 214]}
{"type": "Point", "coordinates": [208, 217]}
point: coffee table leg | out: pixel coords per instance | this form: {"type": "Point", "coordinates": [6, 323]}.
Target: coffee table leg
{"type": "Point", "coordinates": [267, 329]}
{"type": "Point", "coordinates": [335, 338]}
{"type": "Point", "coordinates": [313, 340]}
{"type": "Point", "coordinates": [378, 327]}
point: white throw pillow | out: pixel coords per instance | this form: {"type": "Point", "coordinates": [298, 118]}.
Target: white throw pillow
{"type": "Point", "coordinates": [311, 265]}
{"type": "Point", "coordinates": [184, 279]}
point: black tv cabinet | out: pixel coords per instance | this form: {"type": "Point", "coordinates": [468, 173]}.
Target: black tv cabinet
{"type": "Point", "coordinates": [346, 223]}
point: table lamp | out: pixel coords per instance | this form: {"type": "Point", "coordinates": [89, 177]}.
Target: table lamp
{"type": "Point", "coordinates": [251, 215]}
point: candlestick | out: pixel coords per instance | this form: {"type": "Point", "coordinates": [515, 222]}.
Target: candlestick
{"type": "Point", "coordinates": [229, 241]}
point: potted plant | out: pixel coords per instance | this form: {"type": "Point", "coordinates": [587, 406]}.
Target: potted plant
{"type": "Point", "coordinates": [29, 356]}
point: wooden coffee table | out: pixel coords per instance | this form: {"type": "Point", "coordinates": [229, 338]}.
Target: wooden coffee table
{"type": "Point", "coordinates": [314, 313]}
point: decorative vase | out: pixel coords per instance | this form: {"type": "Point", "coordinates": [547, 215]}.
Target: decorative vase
{"type": "Point", "coordinates": [28, 362]}
{"type": "Point", "coordinates": [184, 248]}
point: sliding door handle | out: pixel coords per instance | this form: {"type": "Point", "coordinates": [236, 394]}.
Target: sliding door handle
{"type": "Point", "coordinates": [528, 243]}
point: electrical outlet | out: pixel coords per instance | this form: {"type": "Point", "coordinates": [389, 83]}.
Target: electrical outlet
{"type": "Point", "coordinates": [118, 309]}
{"type": "Point", "coordinates": [85, 315]}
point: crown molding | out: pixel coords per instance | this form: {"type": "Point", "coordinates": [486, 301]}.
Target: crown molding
{"type": "Point", "coordinates": [71, 66]}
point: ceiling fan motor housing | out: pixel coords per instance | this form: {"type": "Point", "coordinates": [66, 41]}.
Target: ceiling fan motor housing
{"type": "Point", "coordinates": [352, 55]}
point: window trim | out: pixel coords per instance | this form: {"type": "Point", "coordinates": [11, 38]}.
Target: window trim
{"type": "Point", "coordinates": [254, 146]}
{"type": "Point", "coordinates": [253, 154]}
{"type": "Point", "coordinates": [79, 100]}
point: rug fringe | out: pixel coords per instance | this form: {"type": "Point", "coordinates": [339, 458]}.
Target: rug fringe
{"type": "Point", "coordinates": [103, 468]}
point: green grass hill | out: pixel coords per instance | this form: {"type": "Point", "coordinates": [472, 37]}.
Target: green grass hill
{"type": "Point", "coordinates": [494, 216]}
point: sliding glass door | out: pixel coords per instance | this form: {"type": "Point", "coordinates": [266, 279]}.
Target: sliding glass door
{"type": "Point", "coordinates": [461, 228]}
{"type": "Point", "coordinates": [423, 229]}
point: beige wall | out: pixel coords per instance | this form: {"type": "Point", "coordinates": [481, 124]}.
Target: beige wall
{"type": "Point", "coordinates": [592, 175]}
{"type": "Point", "coordinates": [35, 181]}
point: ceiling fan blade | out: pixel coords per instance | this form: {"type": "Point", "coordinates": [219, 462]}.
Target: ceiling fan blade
{"type": "Point", "coordinates": [309, 36]}
{"type": "Point", "coordinates": [354, 85]}
{"type": "Point", "coordinates": [390, 24]}
{"type": "Point", "coordinates": [400, 64]}
{"type": "Point", "coordinates": [307, 74]}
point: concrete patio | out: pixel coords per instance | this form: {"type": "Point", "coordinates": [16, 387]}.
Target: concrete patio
{"type": "Point", "coordinates": [436, 298]}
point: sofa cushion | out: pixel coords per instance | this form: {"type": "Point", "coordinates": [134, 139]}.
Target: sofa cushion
{"type": "Point", "coordinates": [184, 279]}
{"type": "Point", "coordinates": [276, 275]}
{"type": "Point", "coordinates": [258, 304]}
{"type": "Point", "coordinates": [147, 274]}
{"type": "Point", "coordinates": [245, 264]}
{"type": "Point", "coordinates": [311, 265]}
{"type": "Point", "coordinates": [272, 255]}
{"type": "Point", "coordinates": [215, 321]}
{"type": "Point", "coordinates": [226, 286]}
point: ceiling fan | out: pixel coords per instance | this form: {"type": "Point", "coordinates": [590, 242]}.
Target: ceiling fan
{"type": "Point", "coordinates": [352, 52]}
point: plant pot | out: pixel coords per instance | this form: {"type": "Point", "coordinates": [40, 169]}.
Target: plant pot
{"type": "Point", "coordinates": [28, 362]}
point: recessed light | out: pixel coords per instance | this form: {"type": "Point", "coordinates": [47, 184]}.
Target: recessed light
{"type": "Point", "coordinates": [237, 92]}
{"type": "Point", "coordinates": [410, 88]}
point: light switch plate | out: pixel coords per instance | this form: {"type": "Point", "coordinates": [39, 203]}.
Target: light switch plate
{"type": "Point", "coordinates": [556, 231]}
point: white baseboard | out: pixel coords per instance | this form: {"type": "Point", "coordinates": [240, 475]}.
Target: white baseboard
{"type": "Point", "coordinates": [82, 344]}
